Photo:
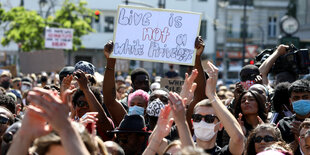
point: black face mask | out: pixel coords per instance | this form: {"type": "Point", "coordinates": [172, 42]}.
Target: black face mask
{"type": "Point", "coordinates": [5, 84]}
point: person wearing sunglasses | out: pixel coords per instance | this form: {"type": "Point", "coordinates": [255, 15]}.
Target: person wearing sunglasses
{"type": "Point", "coordinates": [210, 115]}
{"type": "Point", "coordinates": [89, 99]}
{"type": "Point", "coordinates": [6, 119]}
{"type": "Point", "coordinates": [263, 136]}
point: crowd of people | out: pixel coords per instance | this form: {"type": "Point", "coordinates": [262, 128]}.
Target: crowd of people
{"type": "Point", "coordinates": [72, 112]}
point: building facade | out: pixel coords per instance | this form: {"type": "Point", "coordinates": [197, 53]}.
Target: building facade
{"type": "Point", "coordinates": [104, 26]}
{"type": "Point", "coordinates": [262, 24]}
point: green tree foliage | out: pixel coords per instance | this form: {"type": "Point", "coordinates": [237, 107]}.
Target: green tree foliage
{"type": "Point", "coordinates": [27, 27]}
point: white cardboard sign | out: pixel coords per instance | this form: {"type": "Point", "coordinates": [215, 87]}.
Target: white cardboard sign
{"type": "Point", "coordinates": [58, 38]}
{"type": "Point", "coordinates": [157, 35]}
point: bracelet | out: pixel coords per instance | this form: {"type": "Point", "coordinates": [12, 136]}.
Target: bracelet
{"type": "Point", "coordinates": [109, 68]}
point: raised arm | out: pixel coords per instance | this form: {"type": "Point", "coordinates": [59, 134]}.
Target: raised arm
{"type": "Point", "coordinates": [116, 110]}
{"type": "Point", "coordinates": [157, 141]}
{"type": "Point", "coordinates": [268, 63]}
{"type": "Point", "coordinates": [34, 125]}
{"type": "Point", "coordinates": [200, 80]}
{"type": "Point", "coordinates": [103, 124]}
{"type": "Point", "coordinates": [236, 143]}
{"type": "Point", "coordinates": [178, 110]}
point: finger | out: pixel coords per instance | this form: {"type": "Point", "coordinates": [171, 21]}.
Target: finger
{"type": "Point", "coordinates": [240, 116]}
{"type": "Point", "coordinates": [260, 121]}
{"type": "Point", "coordinates": [210, 67]}
{"type": "Point", "coordinates": [193, 88]}
{"type": "Point", "coordinates": [92, 113]}
{"type": "Point", "coordinates": [184, 102]}
{"type": "Point", "coordinates": [85, 117]}
{"type": "Point", "coordinates": [172, 97]}
{"type": "Point", "coordinates": [193, 76]}
{"type": "Point", "coordinates": [87, 121]}
{"type": "Point", "coordinates": [186, 76]}
{"type": "Point", "coordinates": [172, 105]}
{"type": "Point", "coordinates": [161, 114]}
{"type": "Point", "coordinates": [37, 111]}
{"type": "Point", "coordinates": [66, 95]}
{"type": "Point", "coordinates": [47, 94]}
{"type": "Point", "coordinates": [167, 112]}
{"type": "Point", "coordinates": [37, 100]}
{"type": "Point", "coordinates": [170, 122]}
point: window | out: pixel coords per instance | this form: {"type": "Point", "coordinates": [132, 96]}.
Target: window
{"type": "Point", "coordinates": [108, 24]}
{"type": "Point", "coordinates": [203, 29]}
{"type": "Point", "coordinates": [241, 2]}
{"type": "Point", "coordinates": [96, 25]}
{"type": "Point", "coordinates": [272, 26]}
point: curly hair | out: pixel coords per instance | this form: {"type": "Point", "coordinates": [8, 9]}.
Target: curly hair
{"type": "Point", "coordinates": [79, 93]}
{"type": "Point", "coordinates": [7, 102]}
{"type": "Point", "coordinates": [250, 144]}
{"type": "Point", "coordinates": [262, 111]}
{"type": "Point", "coordinates": [140, 93]}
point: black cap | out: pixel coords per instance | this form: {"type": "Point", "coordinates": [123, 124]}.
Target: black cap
{"type": "Point", "coordinates": [68, 70]}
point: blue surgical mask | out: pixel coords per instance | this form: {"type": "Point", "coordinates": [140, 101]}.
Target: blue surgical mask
{"type": "Point", "coordinates": [136, 110]}
{"type": "Point", "coordinates": [301, 107]}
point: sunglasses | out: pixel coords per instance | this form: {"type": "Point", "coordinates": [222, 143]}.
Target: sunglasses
{"type": "Point", "coordinates": [4, 120]}
{"type": "Point", "coordinates": [207, 118]}
{"type": "Point", "coordinates": [81, 104]}
{"type": "Point", "coordinates": [267, 139]}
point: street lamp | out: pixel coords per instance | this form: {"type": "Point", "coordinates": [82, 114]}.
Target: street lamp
{"type": "Point", "coordinates": [244, 36]}
{"type": "Point", "coordinates": [224, 5]}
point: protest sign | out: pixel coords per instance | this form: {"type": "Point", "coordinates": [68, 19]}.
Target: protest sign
{"type": "Point", "coordinates": [58, 38]}
{"type": "Point", "coordinates": [156, 35]}
{"type": "Point", "coordinates": [174, 85]}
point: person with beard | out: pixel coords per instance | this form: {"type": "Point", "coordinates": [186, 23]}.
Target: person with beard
{"type": "Point", "coordinates": [5, 80]}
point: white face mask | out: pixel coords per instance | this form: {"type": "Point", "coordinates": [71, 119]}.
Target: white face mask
{"type": "Point", "coordinates": [204, 131]}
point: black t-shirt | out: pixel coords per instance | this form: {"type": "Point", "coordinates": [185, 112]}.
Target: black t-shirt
{"type": "Point", "coordinates": [285, 127]}
{"type": "Point", "coordinates": [173, 135]}
{"type": "Point", "coordinates": [172, 74]}
{"type": "Point", "coordinates": [218, 150]}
